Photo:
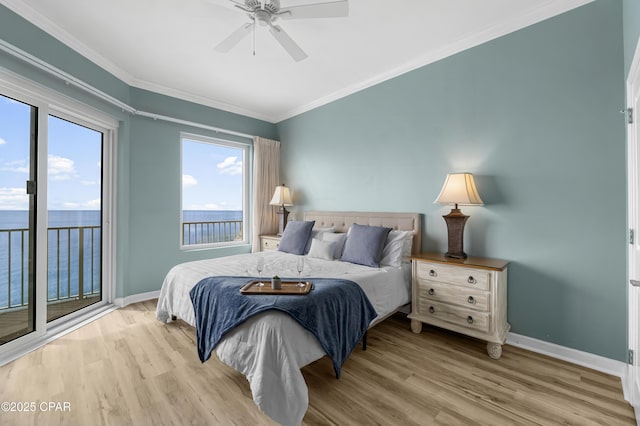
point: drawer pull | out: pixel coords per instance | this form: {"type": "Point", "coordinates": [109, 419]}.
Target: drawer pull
{"type": "Point", "coordinates": [470, 319]}
{"type": "Point", "coordinates": [433, 273]}
{"type": "Point", "coordinates": [431, 292]}
{"type": "Point", "coordinates": [471, 280]}
{"type": "Point", "coordinates": [431, 309]}
{"type": "Point", "coordinates": [471, 300]}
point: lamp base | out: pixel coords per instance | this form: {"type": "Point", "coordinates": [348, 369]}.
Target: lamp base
{"type": "Point", "coordinates": [283, 216]}
{"type": "Point", "coordinates": [455, 226]}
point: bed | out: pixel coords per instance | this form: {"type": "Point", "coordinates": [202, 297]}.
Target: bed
{"type": "Point", "coordinates": [270, 348]}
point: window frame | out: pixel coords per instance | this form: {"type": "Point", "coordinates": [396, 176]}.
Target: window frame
{"type": "Point", "coordinates": [247, 189]}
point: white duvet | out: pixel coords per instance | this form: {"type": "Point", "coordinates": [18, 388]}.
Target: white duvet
{"type": "Point", "coordinates": [270, 348]}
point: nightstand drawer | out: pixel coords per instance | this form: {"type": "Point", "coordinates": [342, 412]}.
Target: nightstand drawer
{"type": "Point", "coordinates": [463, 297]}
{"type": "Point", "coordinates": [467, 277]}
{"type": "Point", "coordinates": [464, 317]}
{"type": "Point", "coordinates": [269, 243]}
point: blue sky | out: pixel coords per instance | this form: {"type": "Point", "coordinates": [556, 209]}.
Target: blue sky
{"type": "Point", "coordinates": [74, 161]}
{"type": "Point", "coordinates": [211, 176]}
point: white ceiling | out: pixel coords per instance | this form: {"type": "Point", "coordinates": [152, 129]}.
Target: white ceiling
{"type": "Point", "coordinates": [167, 45]}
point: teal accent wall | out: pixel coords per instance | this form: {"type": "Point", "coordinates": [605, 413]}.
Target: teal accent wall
{"type": "Point", "coordinates": [148, 155]}
{"type": "Point", "coordinates": [535, 116]}
{"type": "Point", "coordinates": [631, 25]}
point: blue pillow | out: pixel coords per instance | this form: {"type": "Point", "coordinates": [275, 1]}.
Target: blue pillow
{"type": "Point", "coordinates": [364, 245]}
{"type": "Point", "coordinates": [295, 236]}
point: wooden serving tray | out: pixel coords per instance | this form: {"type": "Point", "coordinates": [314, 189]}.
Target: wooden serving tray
{"type": "Point", "coordinates": [288, 287]}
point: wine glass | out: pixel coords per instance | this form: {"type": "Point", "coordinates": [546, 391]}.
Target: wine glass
{"type": "Point", "coordinates": [260, 267]}
{"type": "Point", "coordinates": [300, 267]}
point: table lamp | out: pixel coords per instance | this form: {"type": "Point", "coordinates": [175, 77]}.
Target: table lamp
{"type": "Point", "coordinates": [458, 188]}
{"type": "Point", "coordinates": [281, 198]}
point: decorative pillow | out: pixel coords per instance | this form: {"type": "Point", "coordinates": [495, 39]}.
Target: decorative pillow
{"type": "Point", "coordinates": [407, 247]}
{"type": "Point", "coordinates": [322, 249]}
{"type": "Point", "coordinates": [339, 240]}
{"type": "Point", "coordinates": [316, 233]}
{"type": "Point", "coordinates": [394, 250]}
{"type": "Point", "coordinates": [295, 236]}
{"type": "Point", "coordinates": [364, 245]}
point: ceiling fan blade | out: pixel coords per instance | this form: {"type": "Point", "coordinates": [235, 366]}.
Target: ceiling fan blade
{"type": "Point", "coordinates": [287, 43]}
{"type": "Point", "coordinates": [228, 43]}
{"type": "Point", "coordinates": [334, 9]}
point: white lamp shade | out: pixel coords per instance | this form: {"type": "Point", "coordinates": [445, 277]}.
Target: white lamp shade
{"type": "Point", "coordinates": [281, 197]}
{"type": "Point", "coordinates": [459, 188]}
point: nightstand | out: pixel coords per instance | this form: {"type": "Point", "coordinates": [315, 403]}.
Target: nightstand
{"type": "Point", "coordinates": [468, 296]}
{"type": "Point", "coordinates": [269, 242]}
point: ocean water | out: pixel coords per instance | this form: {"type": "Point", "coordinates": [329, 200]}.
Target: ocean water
{"type": "Point", "coordinates": [63, 275]}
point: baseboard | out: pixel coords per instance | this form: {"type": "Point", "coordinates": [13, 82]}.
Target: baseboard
{"type": "Point", "coordinates": [585, 359]}
{"type": "Point", "coordinates": [135, 298]}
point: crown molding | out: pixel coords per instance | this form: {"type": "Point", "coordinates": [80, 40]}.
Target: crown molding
{"type": "Point", "coordinates": [545, 11]}
{"type": "Point", "coordinates": [201, 100]}
{"type": "Point", "coordinates": [48, 26]}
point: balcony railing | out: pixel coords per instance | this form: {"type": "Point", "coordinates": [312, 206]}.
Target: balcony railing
{"type": "Point", "coordinates": [74, 265]}
{"type": "Point", "coordinates": [219, 231]}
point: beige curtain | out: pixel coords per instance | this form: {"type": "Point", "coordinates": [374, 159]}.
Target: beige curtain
{"type": "Point", "coordinates": [266, 176]}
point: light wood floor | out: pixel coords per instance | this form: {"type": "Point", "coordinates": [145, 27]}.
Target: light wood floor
{"type": "Point", "coordinates": [127, 368]}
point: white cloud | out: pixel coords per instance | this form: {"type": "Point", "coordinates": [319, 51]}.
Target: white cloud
{"type": "Point", "coordinates": [88, 182]}
{"type": "Point", "coordinates": [188, 180]}
{"type": "Point", "coordinates": [14, 199]}
{"type": "Point", "coordinates": [89, 205]}
{"type": "Point", "coordinates": [61, 168]}
{"type": "Point", "coordinates": [208, 206]}
{"type": "Point", "coordinates": [18, 166]}
{"type": "Point", "coordinates": [93, 204]}
{"type": "Point", "coordinates": [2, 141]}
{"type": "Point", "coordinates": [230, 166]}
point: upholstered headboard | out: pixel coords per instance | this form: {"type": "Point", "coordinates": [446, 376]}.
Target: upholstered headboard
{"type": "Point", "coordinates": [341, 221]}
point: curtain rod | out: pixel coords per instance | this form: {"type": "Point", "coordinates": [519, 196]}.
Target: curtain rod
{"type": "Point", "coordinates": [71, 80]}
{"type": "Point", "coordinates": [191, 123]}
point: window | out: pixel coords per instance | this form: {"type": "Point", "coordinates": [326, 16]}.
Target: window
{"type": "Point", "coordinates": [215, 192]}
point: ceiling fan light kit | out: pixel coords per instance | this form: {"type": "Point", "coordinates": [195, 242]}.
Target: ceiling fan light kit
{"type": "Point", "coordinates": [266, 12]}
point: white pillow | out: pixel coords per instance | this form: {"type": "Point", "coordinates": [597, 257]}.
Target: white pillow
{"type": "Point", "coordinates": [339, 240]}
{"type": "Point", "coordinates": [397, 248]}
{"type": "Point", "coordinates": [322, 249]}
{"type": "Point", "coordinates": [316, 233]}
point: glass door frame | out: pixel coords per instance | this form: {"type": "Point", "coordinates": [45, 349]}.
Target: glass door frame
{"type": "Point", "coordinates": [108, 256]}
{"type": "Point", "coordinates": [50, 102]}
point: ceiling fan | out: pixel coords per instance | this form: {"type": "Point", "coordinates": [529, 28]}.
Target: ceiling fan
{"type": "Point", "coordinates": [266, 12]}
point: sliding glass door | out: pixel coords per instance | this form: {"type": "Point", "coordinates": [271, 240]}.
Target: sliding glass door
{"type": "Point", "coordinates": [18, 165]}
{"type": "Point", "coordinates": [74, 253]}
{"type": "Point", "coordinates": [57, 174]}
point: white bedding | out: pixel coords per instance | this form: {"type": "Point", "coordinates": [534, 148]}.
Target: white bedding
{"type": "Point", "coordinates": [270, 348]}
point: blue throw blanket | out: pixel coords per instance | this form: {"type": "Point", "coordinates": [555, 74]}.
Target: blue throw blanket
{"type": "Point", "coordinates": [336, 311]}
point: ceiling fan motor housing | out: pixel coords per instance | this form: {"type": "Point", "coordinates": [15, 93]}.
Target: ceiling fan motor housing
{"type": "Point", "coordinates": [270, 6]}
